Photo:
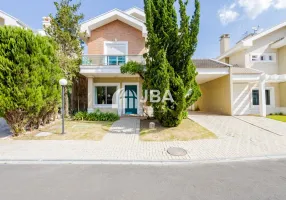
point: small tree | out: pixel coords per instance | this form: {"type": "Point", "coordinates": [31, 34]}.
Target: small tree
{"type": "Point", "coordinates": [65, 30]}
{"type": "Point", "coordinates": [29, 74]}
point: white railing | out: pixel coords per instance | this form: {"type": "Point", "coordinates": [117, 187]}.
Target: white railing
{"type": "Point", "coordinates": [109, 60]}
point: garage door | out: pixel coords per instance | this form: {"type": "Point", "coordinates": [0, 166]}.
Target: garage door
{"type": "Point", "coordinates": [241, 99]}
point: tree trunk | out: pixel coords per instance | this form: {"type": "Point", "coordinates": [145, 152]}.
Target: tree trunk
{"type": "Point", "coordinates": [66, 102]}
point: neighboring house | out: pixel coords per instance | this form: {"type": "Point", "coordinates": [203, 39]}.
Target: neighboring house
{"type": "Point", "coordinates": [8, 20]}
{"type": "Point", "coordinates": [117, 37]}
{"type": "Point", "coordinates": [258, 75]}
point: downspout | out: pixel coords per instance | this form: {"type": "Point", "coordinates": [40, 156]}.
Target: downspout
{"type": "Point", "coordinates": [231, 90]}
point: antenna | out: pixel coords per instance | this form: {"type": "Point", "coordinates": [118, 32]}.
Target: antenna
{"type": "Point", "coordinates": [255, 29]}
{"type": "Point", "coordinates": [245, 34]}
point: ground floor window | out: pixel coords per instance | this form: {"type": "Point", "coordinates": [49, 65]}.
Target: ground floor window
{"type": "Point", "coordinates": [104, 94]}
{"type": "Point", "coordinates": [255, 97]}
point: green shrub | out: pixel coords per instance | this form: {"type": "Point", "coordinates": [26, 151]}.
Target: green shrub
{"type": "Point", "coordinates": [80, 116]}
{"type": "Point", "coordinates": [29, 75]}
{"type": "Point", "coordinates": [185, 115]}
{"type": "Point", "coordinates": [96, 116]}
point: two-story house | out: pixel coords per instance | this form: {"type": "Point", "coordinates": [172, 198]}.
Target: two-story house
{"type": "Point", "coordinates": [8, 20]}
{"type": "Point", "coordinates": [117, 37]}
{"type": "Point", "coordinates": [258, 75]}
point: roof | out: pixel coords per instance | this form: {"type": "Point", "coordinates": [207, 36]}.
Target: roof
{"type": "Point", "coordinates": [19, 22]}
{"type": "Point", "coordinates": [243, 70]}
{"type": "Point", "coordinates": [111, 16]}
{"type": "Point", "coordinates": [137, 11]}
{"type": "Point", "coordinates": [248, 41]}
{"type": "Point", "coordinates": [209, 63]}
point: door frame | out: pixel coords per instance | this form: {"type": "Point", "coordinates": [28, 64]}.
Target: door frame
{"type": "Point", "coordinates": [138, 95]}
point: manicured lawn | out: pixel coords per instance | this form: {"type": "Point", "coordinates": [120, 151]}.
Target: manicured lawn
{"type": "Point", "coordinates": [186, 131]}
{"type": "Point", "coordinates": [75, 130]}
{"type": "Point", "coordinates": [281, 118]}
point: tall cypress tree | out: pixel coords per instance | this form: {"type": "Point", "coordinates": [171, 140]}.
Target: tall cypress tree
{"type": "Point", "coordinates": [168, 61]}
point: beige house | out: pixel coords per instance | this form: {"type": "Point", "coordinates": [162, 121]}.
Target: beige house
{"type": "Point", "coordinates": [230, 85]}
{"type": "Point", "coordinates": [258, 75]}
{"type": "Point", "coordinates": [8, 20]}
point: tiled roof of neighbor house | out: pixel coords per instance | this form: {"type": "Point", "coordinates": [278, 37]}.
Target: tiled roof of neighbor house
{"type": "Point", "coordinates": [243, 70]}
{"type": "Point", "coordinates": [209, 63]}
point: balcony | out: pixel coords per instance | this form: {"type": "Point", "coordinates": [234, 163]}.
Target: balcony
{"type": "Point", "coordinates": [110, 60]}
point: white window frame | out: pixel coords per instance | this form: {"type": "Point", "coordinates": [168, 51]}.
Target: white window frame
{"type": "Point", "coordinates": [272, 97]}
{"type": "Point", "coordinates": [117, 85]}
{"type": "Point", "coordinates": [266, 57]}
{"type": "Point", "coordinates": [115, 42]}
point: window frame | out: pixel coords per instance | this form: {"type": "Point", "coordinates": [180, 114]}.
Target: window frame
{"type": "Point", "coordinates": [263, 58]}
{"type": "Point", "coordinates": [272, 97]}
{"type": "Point", "coordinates": [106, 43]}
{"type": "Point", "coordinates": [117, 85]}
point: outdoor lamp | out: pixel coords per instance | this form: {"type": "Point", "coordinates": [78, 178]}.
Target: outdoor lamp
{"type": "Point", "coordinates": [63, 82]}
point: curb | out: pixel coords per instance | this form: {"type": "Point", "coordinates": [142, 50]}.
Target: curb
{"type": "Point", "coordinates": [137, 162]}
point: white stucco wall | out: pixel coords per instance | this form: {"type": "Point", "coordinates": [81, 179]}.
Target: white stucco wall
{"type": "Point", "coordinates": [9, 20]}
{"type": "Point", "coordinates": [260, 46]}
{"type": "Point", "coordinates": [242, 99]}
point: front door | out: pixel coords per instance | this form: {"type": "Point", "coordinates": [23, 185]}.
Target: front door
{"type": "Point", "coordinates": [131, 100]}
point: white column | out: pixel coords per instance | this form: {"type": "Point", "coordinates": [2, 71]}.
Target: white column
{"type": "Point", "coordinates": [262, 98]}
{"type": "Point", "coordinates": [90, 95]}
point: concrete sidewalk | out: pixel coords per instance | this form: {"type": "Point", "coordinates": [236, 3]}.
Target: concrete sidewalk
{"type": "Point", "coordinates": [237, 139]}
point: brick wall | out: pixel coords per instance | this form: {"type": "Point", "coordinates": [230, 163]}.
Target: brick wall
{"type": "Point", "coordinates": [119, 31]}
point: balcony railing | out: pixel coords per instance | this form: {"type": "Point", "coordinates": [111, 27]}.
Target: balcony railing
{"type": "Point", "coordinates": [109, 60]}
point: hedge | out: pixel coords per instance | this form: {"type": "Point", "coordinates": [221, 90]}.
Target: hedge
{"type": "Point", "coordinates": [96, 116]}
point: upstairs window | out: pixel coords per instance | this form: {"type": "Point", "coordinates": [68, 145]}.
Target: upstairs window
{"type": "Point", "coordinates": [266, 57]}
{"type": "Point", "coordinates": [254, 58]}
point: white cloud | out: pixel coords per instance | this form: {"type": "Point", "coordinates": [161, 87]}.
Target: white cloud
{"type": "Point", "coordinates": [253, 8]}
{"type": "Point", "coordinates": [227, 14]}
{"type": "Point", "coordinates": [280, 4]}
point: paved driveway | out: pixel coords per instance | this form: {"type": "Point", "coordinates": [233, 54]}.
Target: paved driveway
{"type": "Point", "coordinates": [270, 125]}
{"type": "Point", "coordinates": [254, 128]}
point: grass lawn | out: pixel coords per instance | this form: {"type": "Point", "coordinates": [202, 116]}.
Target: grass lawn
{"type": "Point", "coordinates": [187, 130]}
{"type": "Point", "coordinates": [75, 130]}
{"type": "Point", "coordinates": [281, 118]}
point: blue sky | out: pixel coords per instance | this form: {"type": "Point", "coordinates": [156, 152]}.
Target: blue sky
{"type": "Point", "coordinates": [217, 16]}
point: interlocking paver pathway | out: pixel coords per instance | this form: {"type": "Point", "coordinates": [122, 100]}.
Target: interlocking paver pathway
{"type": "Point", "coordinates": [236, 139]}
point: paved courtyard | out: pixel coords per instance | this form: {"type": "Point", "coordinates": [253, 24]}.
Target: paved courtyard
{"type": "Point", "coordinates": [237, 138]}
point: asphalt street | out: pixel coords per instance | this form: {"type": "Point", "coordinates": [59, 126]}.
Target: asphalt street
{"type": "Point", "coordinates": [251, 180]}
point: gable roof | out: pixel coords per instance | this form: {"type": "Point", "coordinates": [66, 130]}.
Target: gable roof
{"type": "Point", "coordinates": [13, 21]}
{"type": "Point", "coordinates": [111, 16]}
{"type": "Point", "coordinates": [248, 41]}
{"type": "Point", "coordinates": [136, 11]}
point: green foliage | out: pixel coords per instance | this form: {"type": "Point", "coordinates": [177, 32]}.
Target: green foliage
{"type": "Point", "coordinates": [133, 67]}
{"type": "Point", "coordinates": [96, 116]}
{"type": "Point", "coordinates": [168, 61]}
{"type": "Point", "coordinates": [185, 115]}
{"type": "Point", "coordinates": [65, 31]}
{"type": "Point", "coordinates": [29, 74]}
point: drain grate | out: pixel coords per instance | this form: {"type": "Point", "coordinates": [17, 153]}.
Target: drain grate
{"type": "Point", "coordinates": [175, 151]}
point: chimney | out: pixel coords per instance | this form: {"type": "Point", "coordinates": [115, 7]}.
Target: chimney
{"type": "Point", "coordinates": [46, 21]}
{"type": "Point", "coordinates": [224, 43]}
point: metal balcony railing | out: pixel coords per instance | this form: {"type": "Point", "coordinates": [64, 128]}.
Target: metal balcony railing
{"type": "Point", "coordinates": [109, 60]}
